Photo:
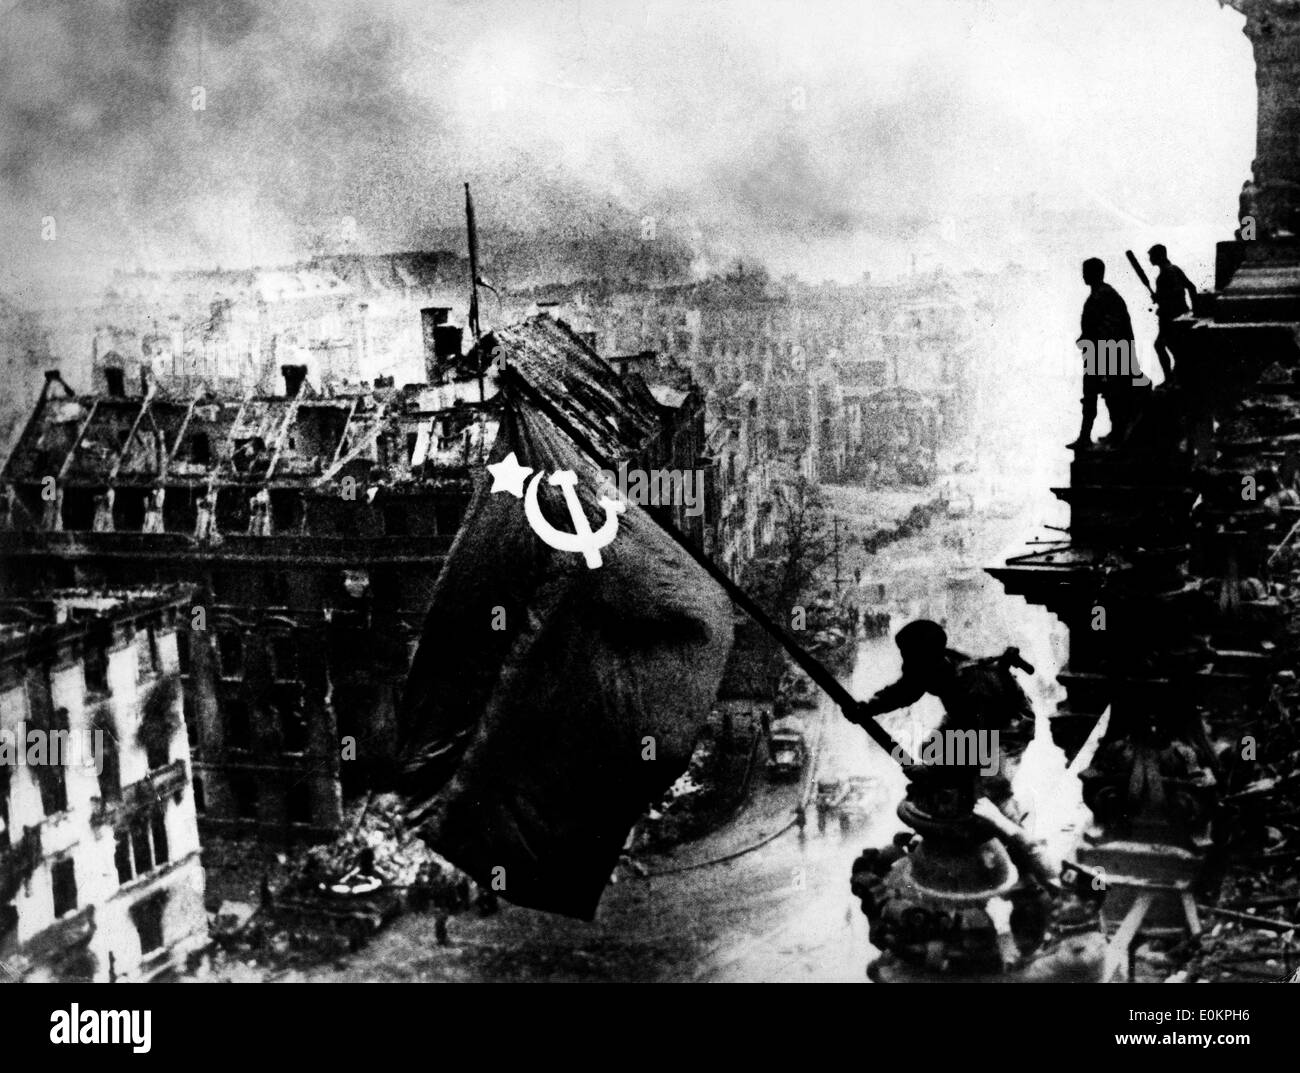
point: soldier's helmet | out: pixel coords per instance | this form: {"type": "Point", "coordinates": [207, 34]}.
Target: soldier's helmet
{"type": "Point", "coordinates": [921, 639]}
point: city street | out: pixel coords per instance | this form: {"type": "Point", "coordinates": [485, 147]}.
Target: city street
{"type": "Point", "coordinates": [781, 911]}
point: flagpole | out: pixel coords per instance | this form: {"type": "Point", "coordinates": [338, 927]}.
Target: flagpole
{"type": "Point", "coordinates": [472, 229]}
{"type": "Point", "coordinates": [811, 666]}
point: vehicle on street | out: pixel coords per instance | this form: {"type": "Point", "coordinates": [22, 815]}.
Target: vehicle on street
{"type": "Point", "coordinates": [787, 750]}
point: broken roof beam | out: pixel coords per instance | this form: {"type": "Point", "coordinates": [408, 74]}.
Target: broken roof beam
{"type": "Point", "coordinates": [76, 442]}
{"type": "Point", "coordinates": [180, 436]}
{"type": "Point", "coordinates": [51, 377]}
{"type": "Point", "coordinates": [343, 436]}
{"type": "Point", "coordinates": [230, 434]}
{"type": "Point", "coordinates": [130, 436]}
{"type": "Point", "coordinates": [289, 418]}
{"type": "Point", "coordinates": [367, 440]}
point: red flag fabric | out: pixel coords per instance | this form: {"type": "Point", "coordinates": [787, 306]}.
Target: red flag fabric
{"type": "Point", "coordinates": [550, 702]}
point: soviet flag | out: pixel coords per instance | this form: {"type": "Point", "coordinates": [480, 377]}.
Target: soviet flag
{"type": "Point", "coordinates": [552, 700]}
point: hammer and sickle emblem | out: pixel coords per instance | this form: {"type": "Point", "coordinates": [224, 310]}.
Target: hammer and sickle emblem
{"type": "Point", "coordinates": [582, 539]}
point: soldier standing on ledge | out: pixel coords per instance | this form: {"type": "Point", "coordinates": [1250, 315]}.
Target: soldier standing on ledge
{"type": "Point", "coordinates": [1172, 293]}
{"type": "Point", "coordinates": [1110, 366]}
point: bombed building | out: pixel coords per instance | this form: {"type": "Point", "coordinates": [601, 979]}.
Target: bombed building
{"type": "Point", "coordinates": [99, 851]}
{"type": "Point", "coordinates": [314, 523]}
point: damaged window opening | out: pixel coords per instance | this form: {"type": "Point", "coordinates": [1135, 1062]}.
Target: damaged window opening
{"type": "Point", "coordinates": [78, 509]}
{"type": "Point", "coordinates": [189, 712]}
{"type": "Point", "coordinates": [148, 918]}
{"type": "Point", "coordinates": [180, 509]}
{"type": "Point", "coordinates": [147, 660]}
{"type": "Point", "coordinates": [184, 638]}
{"type": "Point", "coordinates": [94, 669]}
{"type": "Point", "coordinates": [122, 856]}
{"type": "Point", "coordinates": [293, 726]}
{"type": "Point", "coordinates": [110, 773]}
{"type": "Point", "coordinates": [141, 846]}
{"type": "Point", "coordinates": [161, 850]}
{"type": "Point", "coordinates": [284, 659]}
{"type": "Point", "coordinates": [298, 803]}
{"type": "Point", "coordinates": [200, 450]}
{"type": "Point", "coordinates": [128, 510]}
{"type": "Point", "coordinates": [239, 730]}
{"type": "Point", "coordinates": [142, 852]}
{"type": "Point", "coordinates": [232, 510]}
{"type": "Point", "coordinates": [396, 521]}
{"type": "Point", "coordinates": [245, 794]}
{"type": "Point", "coordinates": [50, 777]}
{"type": "Point", "coordinates": [156, 734]}
{"type": "Point", "coordinates": [279, 590]}
{"type": "Point", "coordinates": [286, 511]}
{"type": "Point", "coordinates": [63, 880]}
{"type": "Point", "coordinates": [230, 648]}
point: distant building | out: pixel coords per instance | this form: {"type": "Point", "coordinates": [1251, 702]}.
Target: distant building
{"type": "Point", "coordinates": [748, 693]}
{"type": "Point", "coordinates": [348, 317]}
{"type": "Point", "coordinates": [100, 877]}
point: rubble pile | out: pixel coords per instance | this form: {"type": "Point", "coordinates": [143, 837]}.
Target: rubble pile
{"type": "Point", "coordinates": [337, 895]}
{"type": "Point", "coordinates": [1258, 831]}
{"type": "Point", "coordinates": [376, 841]}
{"type": "Point", "coordinates": [1236, 950]}
{"type": "Point", "coordinates": [704, 794]}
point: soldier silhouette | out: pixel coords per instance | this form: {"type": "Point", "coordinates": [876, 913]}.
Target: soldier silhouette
{"type": "Point", "coordinates": [1110, 366]}
{"type": "Point", "coordinates": [1172, 293]}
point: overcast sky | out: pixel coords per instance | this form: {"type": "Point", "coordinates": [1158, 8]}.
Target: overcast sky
{"type": "Point", "coordinates": [827, 138]}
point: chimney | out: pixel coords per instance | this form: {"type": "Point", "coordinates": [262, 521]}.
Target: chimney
{"type": "Point", "coordinates": [293, 375]}
{"type": "Point", "coordinates": [431, 319]}
{"type": "Point", "coordinates": [115, 379]}
{"type": "Point", "coordinates": [52, 377]}
{"type": "Point", "coordinates": [446, 342]}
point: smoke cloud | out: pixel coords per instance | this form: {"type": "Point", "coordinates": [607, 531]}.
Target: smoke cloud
{"type": "Point", "coordinates": [826, 138]}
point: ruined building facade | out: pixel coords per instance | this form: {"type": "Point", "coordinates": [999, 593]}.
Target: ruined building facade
{"type": "Point", "coordinates": [100, 875]}
{"type": "Point", "coordinates": [314, 523]}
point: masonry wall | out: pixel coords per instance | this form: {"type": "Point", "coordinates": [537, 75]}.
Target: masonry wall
{"type": "Point", "coordinates": [98, 936]}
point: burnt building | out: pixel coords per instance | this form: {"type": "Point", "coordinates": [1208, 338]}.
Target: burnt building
{"type": "Point", "coordinates": [313, 528]}
{"type": "Point", "coordinates": [100, 877]}
{"type": "Point", "coordinates": [313, 523]}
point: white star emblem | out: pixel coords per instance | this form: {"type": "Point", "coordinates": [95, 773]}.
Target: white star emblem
{"type": "Point", "coordinates": [508, 475]}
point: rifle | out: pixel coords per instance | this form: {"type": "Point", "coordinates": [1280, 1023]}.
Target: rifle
{"type": "Point", "coordinates": [1141, 273]}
